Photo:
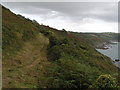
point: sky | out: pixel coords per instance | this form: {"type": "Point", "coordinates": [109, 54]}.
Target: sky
{"type": "Point", "coordinates": [71, 16]}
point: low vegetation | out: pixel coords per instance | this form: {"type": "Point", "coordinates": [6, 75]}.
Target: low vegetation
{"type": "Point", "coordinates": [105, 81]}
{"type": "Point", "coordinates": [76, 64]}
{"type": "Point", "coordinates": [38, 56]}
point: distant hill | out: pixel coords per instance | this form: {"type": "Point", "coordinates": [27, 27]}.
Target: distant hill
{"type": "Point", "coordinates": [97, 38]}
{"type": "Point", "coordinates": [38, 56]}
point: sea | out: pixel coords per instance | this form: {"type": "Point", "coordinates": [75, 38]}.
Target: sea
{"type": "Point", "coordinates": [112, 52]}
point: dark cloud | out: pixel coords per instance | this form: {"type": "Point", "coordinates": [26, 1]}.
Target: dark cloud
{"type": "Point", "coordinates": [73, 10]}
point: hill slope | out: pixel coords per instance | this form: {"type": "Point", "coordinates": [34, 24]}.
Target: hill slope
{"type": "Point", "coordinates": [38, 56]}
{"type": "Point", "coordinates": [24, 51]}
{"type": "Point", "coordinates": [94, 39]}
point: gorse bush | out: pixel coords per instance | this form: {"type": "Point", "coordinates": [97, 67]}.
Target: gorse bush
{"type": "Point", "coordinates": [54, 41]}
{"type": "Point", "coordinates": [105, 82]}
{"type": "Point", "coordinates": [54, 53]}
{"type": "Point", "coordinates": [67, 74]}
{"type": "Point", "coordinates": [59, 46]}
{"type": "Point", "coordinates": [70, 72]}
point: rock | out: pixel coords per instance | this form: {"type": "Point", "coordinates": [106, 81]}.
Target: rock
{"type": "Point", "coordinates": [117, 60]}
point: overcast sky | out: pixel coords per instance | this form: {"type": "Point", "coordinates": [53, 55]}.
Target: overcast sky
{"type": "Point", "coordinates": [72, 16]}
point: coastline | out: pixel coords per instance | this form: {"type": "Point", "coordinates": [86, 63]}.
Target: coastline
{"type": "Point", "coordinates": [105, 45]}
{"type": "Point", "coordinates": [105, 48]}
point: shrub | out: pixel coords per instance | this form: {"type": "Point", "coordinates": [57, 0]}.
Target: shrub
{"type": "Point", "coordinates": [54, 41]}
{"type": "Point", "coordinates": [54, 53]}
{"type": "Point", "coordinates": [65, 41]}
{"type": "Point", "coordinates": [105, 81]}
{"type": "Point", "coordinates": [66, 73]}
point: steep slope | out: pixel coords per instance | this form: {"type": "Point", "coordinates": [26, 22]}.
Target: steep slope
{"type": "Point", "coordinates": [24, 52]}
{"type": "Point", "coordinates": [77, 61]}
{"type": "Point", "coordinates": [38, 56]}
{"type": "Point", "coordinates": [64, 37]}
{"type": "Point", "coordinates": [27, 65]}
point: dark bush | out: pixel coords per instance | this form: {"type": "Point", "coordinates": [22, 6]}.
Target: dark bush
{"type": "Point", "coordinates": [54, 53]}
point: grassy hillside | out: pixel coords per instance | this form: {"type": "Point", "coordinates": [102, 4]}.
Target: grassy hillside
{"type": "Point", "coordinates": [76, 60]}
{"type": "Point", "coordinates": [38, 56]}
{"type": "Point", "coordinates": [16, 30]}
{"type": "Point", "coordinates": [24, 51]}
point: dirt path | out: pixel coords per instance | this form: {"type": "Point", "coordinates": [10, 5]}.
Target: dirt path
{"type": "Point", "coordinates": [27, 65]}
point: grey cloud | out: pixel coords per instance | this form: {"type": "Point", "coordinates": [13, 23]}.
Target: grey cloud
{"type": "Point", "coordinates": [74, 10]}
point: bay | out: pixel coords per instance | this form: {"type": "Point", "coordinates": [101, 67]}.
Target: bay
{"type": "Point", "coordinates": [112, 52]}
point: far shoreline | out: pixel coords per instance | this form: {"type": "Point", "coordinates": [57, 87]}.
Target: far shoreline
{"type": "Point", "coordinates": [105, 45]}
